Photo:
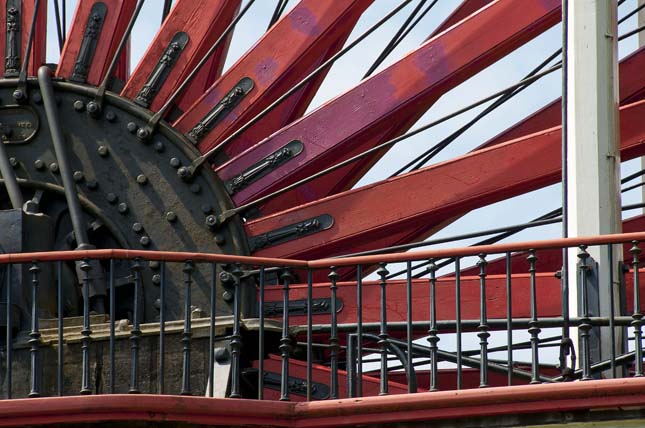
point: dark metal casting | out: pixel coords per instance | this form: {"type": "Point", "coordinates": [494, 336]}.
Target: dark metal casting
{"type": "Point", "coordinates": [88, 45]}
{"type": "Point", "coordinates": [291, 232]}
{"type": "Point", "coordinates": [265, 166]}
{"type": "Point", "coordinates": [300, 307]}
{"type": "Point", "coordinates": [161, 71]}
{"type": "Point", "coordinates": [221, 109]}
{"type": "Point", "coordinates": [13, 38]}
{"type": "Point", "coordinates": [297, 386]}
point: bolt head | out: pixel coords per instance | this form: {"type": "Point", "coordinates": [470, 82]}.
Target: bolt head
{"type": "Point", "coordinates": [137, 227]}
{"type": "Point", "coordinates": [142, 179]}
{"type": "Point", "coordinates": [13, 161]}
{"type": "Point", "coordinates": [78, 176]}
{"type": "Point", "coordinates": [92, 184]}
{"type": "Point", "coordinates": [19, 95]}
{"type": "Point", "coordinates": [123, 208]}
{"type": "Point", "coordinates": [158, 303]}
{"type": "Point", "coordinates": [195, 188]}
{"type": "Point", "coordinates": [226, 278]}
{"type": "Point", "coordinates": [144, 241]}
{"type": "Point", "coordinates": [219, 239]}
{"type": "Point", "coordinates": [110, 116]}
{"type": "Point", "coordinates": [79, 105]}
{"type": "Point", "coordinates": [39, 164]}
{"type": "Point", "coordinates": [159, 146]}
{"type": "Point", "coordinates": [93, 108]}
{"type": "Point", "coordinates": [171, 216]}
{"type": "Point", "coordinates": [103, 151]}
{"type": "Point", "coordinates": [143, 134]}
{"type": "Point", "coordinates": [175, 162]}
{"type": "Point", "coordinates": [53, 167]}
{"type": "Point", "coordinates": [112, 197]}
{"type": "Point", "coordinates": [132, 127]}
{"type": "Point", "coordinates": [183, 173]}
{"type": "Point", "coordinates": [206, 208]}
{"type": "Point", "coordinates": [154, 264]}
{"type": "Point", "coordinates": [227, 296]}
{"type": "Point", "coordinates": [211, 221]}
{"type": "Point", "coordinates": [37, 97]}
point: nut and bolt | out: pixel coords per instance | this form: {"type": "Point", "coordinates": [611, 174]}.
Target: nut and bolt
{"type": "Point", "coordinates": [171, 216]}
{"type": "Point", "coordinates": [79, 105]}
{"type": "Point", "coordinates": [132, 127]}
{"type": "Point", "coordinates": [142, 179]}
{"type": "Point", "coordinates": [112, 198]}
{"type": "Point", "coordinates": [110, 116]}
{"type": "Point", "coordinates": [78, 176]}
{"type": "Point", "coordinates": [53, 167]}
{"type": "Point", "coordinates": [175, 162]}
{"type": "Point", "coordinates": [159, 146]}
{"type": "Point", "coordinates": [144, 241]}
{"type": "Point", "coordinates": [39, 164]}
{"type": "Point", "coordinates": [123, 208]}
{"type": "Point", "coordinates": [137, 227]}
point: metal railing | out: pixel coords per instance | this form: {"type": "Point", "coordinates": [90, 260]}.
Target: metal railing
{"type": "Point", "coordinates": [329, 328]}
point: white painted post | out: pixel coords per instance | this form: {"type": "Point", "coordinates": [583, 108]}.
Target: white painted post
{"type": "Point", "coordinates": [593, 155]}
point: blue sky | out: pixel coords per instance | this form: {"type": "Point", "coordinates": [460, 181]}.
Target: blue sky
{"type": "Point", "coordinates": [348, 71]}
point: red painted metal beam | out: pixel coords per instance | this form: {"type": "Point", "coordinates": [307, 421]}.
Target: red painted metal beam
{"type": "Point", "coordinates": [40, 35]}
{"type": "Point", "coordinates": [463, 11]}
{"type": "Point", "coordinates": [314, 31]}
{"type": "Point", "coordinates": [380, 214]}
{"type": "Point", "coordinates": [386, 104]}
{"type": "Point", "coordinates": [117, 17]}
{"type": "Point", "coordinates": [203, 26]}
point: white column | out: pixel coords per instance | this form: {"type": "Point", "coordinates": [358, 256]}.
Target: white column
{"type": "Point", "coordinates": [593, 155]}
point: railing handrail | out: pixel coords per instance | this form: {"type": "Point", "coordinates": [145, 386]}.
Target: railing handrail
{"type": "Point", "coordinates": [179, 256]}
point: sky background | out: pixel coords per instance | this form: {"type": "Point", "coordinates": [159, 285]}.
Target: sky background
{"type": "Point", "coordinates": [347, 72]}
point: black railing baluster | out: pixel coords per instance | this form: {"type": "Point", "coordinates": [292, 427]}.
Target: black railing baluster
{"type": "Point", "coordinates": [585, 322]}
{"type": "Point", "coordinates": [458, 319]}
{"type": "Point", "coordinates": [187, 333]}
{"type": "Point", "coordinates": [135, 333]}
{"type": "Point", "coordinates": [383, 342]}
{"type": "Point", "coordinates": [9, 334]}
{"type": "Point", "coordinates": [408, 326]}
{"type": "Point", "coordinates": [59, 309]}
{"type": "Point", "coordinates": [34, 335]}
{"type": "Point", "coordinates": [534, 329]}
{"type": "Point", "coordinates": [211, 332]}
{"type": "Point", "coordinates": [637, 316]}
{"type": "Point", "coordinates": [509, 320]}
{"type": "Point", "coordinates": [236, 337]}
{"type": "Point", "coordinates": [310, 333]}
{"type": "Point", "coordinates": [162, 328]}
{"type": "Point", "coordinates": [261, 337]}
{"type": "Point", "coordinates": [359, 331]}
{"type": "Point", "coordinates": [285, 341]}
{"type": "Point", "coordinates": [86, 332]}
{"type": "Point", "coordinates": [333, 337]}
{"type": "Point", "coordinates": [112, 328]}
{"type": "Point", "coordinates": [483, 323]}
{"type": "Point", "coordinates": [350, 365]}
{"type": "Point", "coordinates": [432, 331]}
{"type": "Point", "coordinates": [612, 312]}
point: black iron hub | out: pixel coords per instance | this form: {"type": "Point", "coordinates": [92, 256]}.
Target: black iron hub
{"type": "Point", "coordinates": [130, 193]}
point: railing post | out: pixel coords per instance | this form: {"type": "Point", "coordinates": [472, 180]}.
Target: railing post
{"type": "Point", "coordinates": [236, 337]}
{"type": "Point", "coordinates": [383, 342]}
{"type": "Point", "coordinates": [34, 335]}
{"type": "Point", "coordinates": [86, 338]}
{"type": "Point", "coordinates": [285, 341]}
{"type": "Point", "coordinates": [534, 329]}
{"type": "Point", "coordinates": [187, 333]}
{"type": "Point", "coordinates": [333, 337]}
{"type": "Point", "coordinates": [432, 331]}
{"type": "Point", "coordinates": [585, 322]}
{"type": "Point", "coordinates": [135, 333]}
{"type": "Point", "coordinates": [637, 316]}
{"type": "Point", "coordinates": [483, 323]}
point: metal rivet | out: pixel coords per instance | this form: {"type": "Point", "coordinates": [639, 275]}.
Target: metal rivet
{"type": "Point", "coordinates": [206, 209]}
{"type": "Point", "coordinates": [110, 116]}
{"type": "Point", "coordinates": [171, 216]}
{"type": "Point", "coordinates": [175, 163]}
{"type": "Point", "coordinates": [137, 227]}
{"type": "Point", "coordinates": [13, 161]}
{"type": "Point", "coordinates": [143, 134]}
{"type": "Point", "coordinates": [226, 278]}
{"type": "Point", "coordinates": [79, 105]}
{"type": "Point", "coordinates": [93, 109]}
{"type": "Point", "coordinates": [141, 179]}
{"type": "Point", "coordinates": [156, 279]}
{"type": "Point", "coordinates": [92, 184]}
{"type": "Point", "coordinates": [211, 221]}
{"type": "Point", "coordinates": [112, 198]}
{"type": "Point", "coordinates": [159, 146]}
{"type": "Point", "coordinates": [219, 239]}
{"type": "Point", "coordinates": [195, 188]}
{"type": "Point", "coordinates": [18, 94]}
{"type": "Point", "coordinates": [145, 241]}
{"type": "Point", "coordinates": [103, 151]}
{"type": "Point", "coordinates": [123, 208]}
{"type": "Point", "coordinates": [158, 303]}
{"type": "Point", "coordinates": [39, 164]}
{"type": "Point", "coordinates": [154, 264]}
{"type": "Point", "coordinates": [53, 167]}
{"type": "Point", "coordinates": [132, 127]}
{"type": "Point", "coordinates": [183, 173]}
{"type": "Point", "coordinates": [227, 296]}
{"type": "Point", "coordinates": [78, 176]}
{"type": "Point", "coordinates": [37, 97]}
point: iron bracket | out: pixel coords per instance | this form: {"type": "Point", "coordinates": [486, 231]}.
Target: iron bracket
{"type": "Point", "coordinates": [220, 110]}
{"type": "Point", "coordinates": [163, 68]}
{"type": "Point", "coordinates": [90, 40]}
{"type": "Point", "coordinates": [263, 167]}
{"type": "Point", "coordinates": [291, 232]}
{"type": "Point", "coordinates": [12, 41]}
{"type": "Point", "coordinates": [299, 307]}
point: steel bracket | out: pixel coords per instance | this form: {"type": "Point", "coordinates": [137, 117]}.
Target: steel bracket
{"type": "Point", "coordinates": [220, 110]}
{"type": "Point", "coordinates": [88, 45]}
{"type": "Point", "coordinates": [13, 38]}
{"type": "Point", "coordinates": [163, 68]}
{"type": "Point", "coordinates": [291, 232]}
{"type": "Point", "coordinates": [263, 167]}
